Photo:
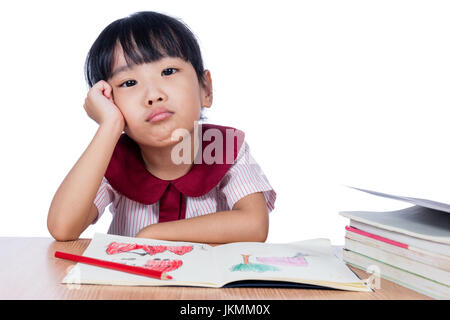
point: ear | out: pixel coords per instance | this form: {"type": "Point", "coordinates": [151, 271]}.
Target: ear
{"type": "Point", "coordinates": [206, 90]}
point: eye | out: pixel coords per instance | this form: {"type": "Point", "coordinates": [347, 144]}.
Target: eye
{"type": "Point", "coordinates": [169, 71]}
{"type": "Point", "coordinates": [128, 83]}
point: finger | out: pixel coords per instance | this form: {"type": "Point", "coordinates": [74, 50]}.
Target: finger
{"type": "Point", "coordinates": [107, 90]}
{"type": "Point", "coordinates": [100, 86]}
{"type": "Point", "coordinates": [106, 93]}
{"type": "Point", "coordinates": [112, 96]}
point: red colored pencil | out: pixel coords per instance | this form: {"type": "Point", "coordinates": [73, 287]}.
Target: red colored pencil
{"type": "Point", "coordinates": [113, 265]}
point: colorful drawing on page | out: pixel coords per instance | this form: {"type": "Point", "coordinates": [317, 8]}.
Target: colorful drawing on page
{"type": "Point", "coordinates": [164, 265]}
{"type": "Point", "coordinates": [296, 261]}
{"type": "Point", "coordinates": [255, 267]}
{"type": "Point", "coordinates": [115, 248]}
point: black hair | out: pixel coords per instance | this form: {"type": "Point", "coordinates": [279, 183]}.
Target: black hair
{"type": "Point", "coordinates": [145, 36]}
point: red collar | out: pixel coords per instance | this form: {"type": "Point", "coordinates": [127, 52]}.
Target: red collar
{"type": "Point", "coordinates": [127, 174]}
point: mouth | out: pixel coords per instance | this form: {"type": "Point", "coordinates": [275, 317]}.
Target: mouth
{"type": "Point", "coordinates": [158, 114]}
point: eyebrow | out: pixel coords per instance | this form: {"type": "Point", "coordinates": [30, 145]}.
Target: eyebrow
{"type": "Point", "coordinates": [127, 68]}
{"type": "Point", "coordinates": [119, 70]}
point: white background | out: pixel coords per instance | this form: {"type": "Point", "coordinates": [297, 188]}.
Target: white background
{"type": "Point", "coordinates": [329, 93]}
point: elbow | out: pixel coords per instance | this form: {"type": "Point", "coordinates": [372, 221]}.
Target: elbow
{"type": "Point", "coordinates": [59, 232]}
{"type": "Point", "coordinates": [258, 235]}
{"type": "Point", "coordinates": [262, 233]}
{"type": "Point", "coordinates": [61, 235]}
{"type": "Point", "coordinates": [261, 228]}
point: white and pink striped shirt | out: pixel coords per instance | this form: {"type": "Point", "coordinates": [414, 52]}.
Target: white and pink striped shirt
{"type": "Point", "coordinates": [243, 178]}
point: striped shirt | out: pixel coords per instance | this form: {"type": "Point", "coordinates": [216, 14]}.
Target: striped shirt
{"type": "Point", "coordinates": [243, 178]}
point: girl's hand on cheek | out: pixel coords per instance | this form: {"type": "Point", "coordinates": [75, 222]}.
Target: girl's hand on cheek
{"type": "Point", "coordinates": [100, 107]}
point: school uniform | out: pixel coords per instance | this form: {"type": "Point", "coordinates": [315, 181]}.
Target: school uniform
{"type": "Point", "coordinates": [139, 199]}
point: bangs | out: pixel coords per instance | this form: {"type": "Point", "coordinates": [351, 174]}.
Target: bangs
{"type": "Point", "coordinates": [144, 37]}
{"type": "Point", "coordinates": [140, 46]}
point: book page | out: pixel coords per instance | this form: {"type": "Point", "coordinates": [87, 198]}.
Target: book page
{"type": "Point", "coordinates": [443, 207]}
{"type": "Point", "coordinates": [309, 262]}
{"type": "Point", "coordinates": [188, 263]}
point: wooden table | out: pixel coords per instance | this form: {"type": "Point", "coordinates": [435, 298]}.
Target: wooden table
{"type": "Point", "coordinates": [28, 270]}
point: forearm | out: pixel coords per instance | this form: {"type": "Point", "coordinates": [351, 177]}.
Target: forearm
{"type": "Point", "coordinates": [219, 227]}
{"type": "Point", "coordinates": [69, 209]}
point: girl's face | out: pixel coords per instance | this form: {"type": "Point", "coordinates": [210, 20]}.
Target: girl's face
{"type": "Point", "coordinates": [169, 83]}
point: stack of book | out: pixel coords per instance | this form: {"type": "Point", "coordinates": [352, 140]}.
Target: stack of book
{"type": "Point", "coordinates": [410, 247]}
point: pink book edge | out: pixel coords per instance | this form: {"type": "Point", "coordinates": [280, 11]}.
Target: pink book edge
{"type": "Point", "coordinates": [373, 236]}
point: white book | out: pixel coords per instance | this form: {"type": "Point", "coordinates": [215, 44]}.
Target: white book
{"type": "Point", "coordinates": [429, 258]}
{"type": "Point", "coordinates": [413, 266]}
{"type": "Point", "coordinates": [399, 276]}
{"type": "Point", "coordinates": [310, 262]}
{"type": "Point", "coordinates": [427, 220]}
{"type": "Point", "coordinates": [431, 246]}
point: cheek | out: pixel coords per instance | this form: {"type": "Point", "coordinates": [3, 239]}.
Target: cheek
{"type": "Point", "coordinates": [189, 106]}
{"type": "Point", "coordinates": [123, 102]}
{"type": "Point", "coordinates": [118, 99]}
{"type": "Point", "coordinates": [189, 117]}
{"type": "Point", "coordinates": [193, 102]}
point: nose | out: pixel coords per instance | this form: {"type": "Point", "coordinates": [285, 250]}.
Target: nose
{"type": "Point", "coordinates": [151, 101]}
{"type": "Point", "coordinates": [154, 95]}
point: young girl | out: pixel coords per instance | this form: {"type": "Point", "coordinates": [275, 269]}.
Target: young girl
{"type": "Point", "coordinates": [147, 84]}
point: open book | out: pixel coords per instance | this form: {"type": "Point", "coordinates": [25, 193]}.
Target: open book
{"type": "Point", "coordinates": [309, 263]}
